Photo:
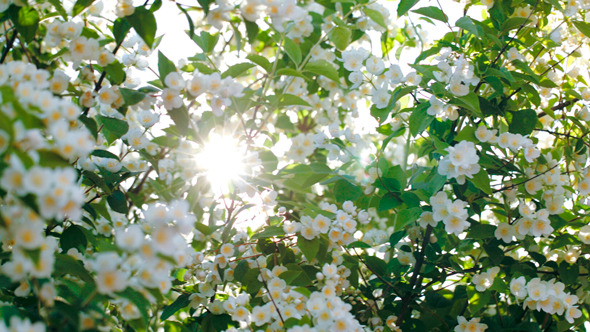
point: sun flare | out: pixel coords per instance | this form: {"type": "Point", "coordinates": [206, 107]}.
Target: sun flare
{"type": "Point", "coordinates": [223, 160]}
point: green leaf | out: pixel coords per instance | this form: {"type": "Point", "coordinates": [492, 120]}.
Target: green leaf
{"type": "Point", "coordinates": [584, 27]}
{"type": "Point", "coordinates": [398, 175]}
{"type": "Point", "coordinates": [290, 276]}
{"type": "Point", "coordinates": [26, 21]}
{"type": "Point", "coordinates": [358, 244]}
{"type": "Point", "coordinates": [237, 70]}
{"type": "Point", "coordinates": [324, 68]}
{"type": "Point", "coordinates": [290, 72]}
{"type": "Point", "coordinates": [481, 180]}
{"type": "Point", "coordinates": [290, 100]}
{"type": "Point", "coordinates": [513, 23]}
{"type": "Point", "coordinates": [80, 5]}
{"type": "Point", "coordinates": [341, 37]}
{"type": "Point", "coordinates": [404, 6]}
{"type": "Point", "coordinates": [51, 159]}
{"type": "Point", "coordinates": [389, 201]}
{"type": "Point", "coordinates": [292, 50]}
{"type": "Point", "coordinates": [115, 72]}
{"type": "Point", "coordinates": [104, 154]}
{"type": "Point", "coordinates": [467, 134]}
{"type": "Point", "coordinates": [261, 61]}
{"type": "Point", "coordinates": [181, 302]}
{"type": "Point", "coordinates": [569, 272]}
{"type": "Point", "coordinates": [144, 23]}
{"type": "Point", "coordinates": [165, 66]}
{"type": "Point", "coordinates": [189, 20]}
{"type": "Point", "coordinates": [495, 253]}
{"type": "Point", "coordinates": [396, 237]}
{"type": "Point", "coordinates": [268, 160]}
{"type": "Point", "coordinates": [376, 16]}
{"type": "Point", "coordinates": [523, 122]}
{"type": "Point", "coordinates": [118, 202]}
{"type": "Point", "coordinates": [59, 8]}
{"type": "Point", "coordinates": [309, 248]}
{"type": "Point", "coordinates": [251, 30]}
{"type": "Point", "coordinates": [269, 231]}
{"type": "Point", "coordinates": [90, 124]}
{"type": "Point", "coordinates": [206, 41]}
{"type": "Point", "coordinates": [420, 119]}
{"type": "Point", "coordinates": [376, 265]}
{"type": "Point", "coordinates": [181, 118]}
{"type": "Point", "coordinates": [65, 264]}
{"type": "Point", "coordinates": [112, 128]}
{"type": "Point", "coordinates": [466, 23]}
{"type": "Point", "coordinates": [73, 237]}
{"type": "Point", "coordinates": [477, 300]}
{"type": "Point", "coordinates": [346, 191]}
{"type": "Point", "coordinates": [525, 68]}
{"type": "Point", "coordinates": [481, 231]}
{"type": "Point", "coordinates": [400, 92]}
{"type": "Point", "coordinates": [205, 5]}
{"type": "Point", "coordinates": [131, 97]}
{"type": "Point", "coordinates": [432, 12]}
{"type": "Point", "coordinates": [470, 102]}
{"type": "Point", "coordinates": [406, 217]}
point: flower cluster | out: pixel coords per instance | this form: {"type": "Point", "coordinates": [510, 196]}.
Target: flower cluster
{"type": "Point", "coordinates": [458, 73]}
{"type": "Point", "coordinates": [472, 325]}
{"type": "Point", "coordinates": [461, 162]}
{"type": "Point", "coordinates": [508, 140]}
{"type": "Point", "coordinates": [453, 214]}
{"type": "Point", "coordinates": [484, 280]}
{"type": "Point", "coordinates": [547, 296]}
{"type": "Point", "coordinates": [340, 226]}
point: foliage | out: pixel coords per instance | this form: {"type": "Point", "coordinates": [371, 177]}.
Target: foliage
{"type": "Point", "coordinates": [316, 165]}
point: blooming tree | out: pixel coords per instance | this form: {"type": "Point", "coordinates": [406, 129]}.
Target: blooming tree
{"type": "Point", "coordinates": [316, 165]}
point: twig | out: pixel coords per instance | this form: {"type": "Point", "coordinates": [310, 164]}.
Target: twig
{"type": "Point", "coordinates": [269, 294]}
{"type": "Point", "coordinates": [8, 46]}
{"type": "Point", "coordinates": [508, 43]}
{"type": "Point", "coordinates": [410, 293]}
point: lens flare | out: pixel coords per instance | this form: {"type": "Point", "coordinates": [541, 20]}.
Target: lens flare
{"type": "Point", "coordinates": [223, 161]}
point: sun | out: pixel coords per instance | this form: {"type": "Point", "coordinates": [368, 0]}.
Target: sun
{"type": "Point", "coordinates": [222, 159]}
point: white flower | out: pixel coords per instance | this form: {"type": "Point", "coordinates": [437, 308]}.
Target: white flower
{"type": "Point", "coordinates": [174, 81]}
{"type": "Point", "coordinates": [260, 315]}
{"type": "Point", "coordinates": [505, 232]}
{"type": "Point", "coordinates": [171, 99]}
{"type": "Point", "coordinates": [455, 225]}
{"type": "Point", "coordinates": [482, 281]}
{"type": "Point", "coordinates": [537, 289]}
{"type": "Point", "coordinates": [458, 88]}
{"type": "Point", "coordinates": [394, 74]}
{"type": "Point", "coordinates": [462, 161]}
{"type": "Point", "coordinates": [24, 324]}
{"type": "Point", "coordinates": [130, 238]}
{"type": "Point", "coordinates": [147, 118]}
{"type": "Point", "coordinates": [584, 234]}
{"type": "Point", "coordinates": [110, 281]}
{"type": "Point", "coordinates": [436, 107]}
{"type": "Point", "coordinates": [381, 97]}
{"type": "Point", "coordinates": [227, 250]}
{"type": "Point", "coordinates": [572, 313]}
{"type": "Point", "coordinates": [483, 134]}
{"type": "Point", "coordinates": [518, 287]}
{"type": "Point", "coordinates": [541, 227]}
{"type": "Point", "coordinates": [374, 65]}
{"type": "Point", "coordinates": [353, 59]}
{"type": "Point", "coordinates": [405, 258]}
{"type": "Point", "coordinates": [322, 223]}
{"type": "Point", "coordinates": [37, 180]}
